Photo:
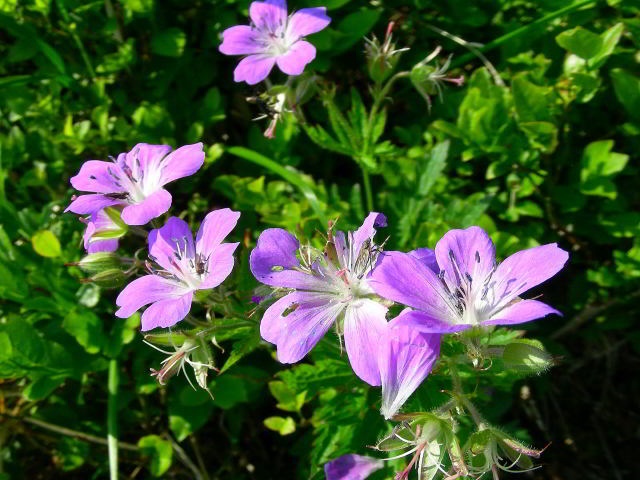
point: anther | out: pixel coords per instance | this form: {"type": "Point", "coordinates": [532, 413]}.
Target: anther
{"type": "Point", "coordinates": [477, 257]}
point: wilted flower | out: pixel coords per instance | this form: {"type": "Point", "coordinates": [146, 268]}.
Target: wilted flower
{"type": "Point", "coordinates": [406, 357]}
{"type": "Point", "coordinates": [273, 37]}
{"type": "Point", "coordinates": [490, 449]}
{"type": "Point", "coordinates": [382, 57]}
{"type": "Point", "coordinates": [460, 286]}
{"type": "Point", "coordinates": [427, 437]}
{"type": "Point", "coordinates": [194, 352]}
{"type": "Point", "coordinates": [183, 269]}
{"type": "Point", "coordinates": [330, 287]}
{"type": "Point", "coordinates": [428, 80]}
{"type": "Point", "coordinates": [135, 180]}
{"type": "Point", "coordinates": [351, 467]}
{"type": "Point", "coordinates": [104, 228]}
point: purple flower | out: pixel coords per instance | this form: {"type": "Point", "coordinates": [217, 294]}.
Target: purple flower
{"type": "Point", "coordinates": [273, 37]}
{"type": "Point", "coordinates": [351, 467]}
{"type": "Point", "coordinates": [330, 287]}
{"type": "Point", "coordinates": [135, 181]}
{"type": "Point", "coordinates": [459, 285]}
{"type": "Point", "coordinates": [406, 357]}
{"type": "Point", "coordinates": [104, 228]}
{"type": "Point", "coordinates": [183, 269]}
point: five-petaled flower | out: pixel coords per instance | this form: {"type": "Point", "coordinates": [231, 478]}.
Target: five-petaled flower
{"type": "Point", "coordinates": [135, 180]}
{"type": "Point", "coordinates": [273, 37]}
{"type": "Point", "coordinates": [182, 268]}
{"type": "Point", "coordinates": [459, 285]}
{"type": "Point", "coordinates": [330, 287]}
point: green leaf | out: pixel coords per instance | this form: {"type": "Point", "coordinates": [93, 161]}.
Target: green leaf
{"type": "Point", "coordinates": [242, 348]}
{"type": "Point", "coordinates": [358, 24]}
{"type": "Point", "coordinates": [169, 42]}
{"type": "Point", "coordinates": [312, 378]}
{"type": "Point", "coordinates": [580, 41]}
{"type": "Point", "coordinates": [532, 102]}
{"type": "Point", "coordinates": [41, 387]}
{"type": "Point", "coordinates": [627, 88]}
{"type": "Point", "coordinates": [284, 426]}
{"type": "Point", "coordinates": [287, 398]}
{"type": "Point", "coordinates": [72, 453]}
{"type": "Point", "coordinates": [289, 175]}
{"type": "Point", "coordinates": [598, 165]}
{"type": "Point", "coordinates": [435, 166]}
{"type": "Point", "coordinates": [590, 46]}
{"type": "Point", "coordinates": [159, 451]}
{"type": "Point", "coordinates": [189, 410]}
{"type": "Point", "coordinates": [86, 328]}
{"type": "Point", "coordinates": [46, 244]}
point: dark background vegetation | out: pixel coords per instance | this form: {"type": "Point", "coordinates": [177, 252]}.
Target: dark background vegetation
{"type": "Point", "coordinates": [84, 80]}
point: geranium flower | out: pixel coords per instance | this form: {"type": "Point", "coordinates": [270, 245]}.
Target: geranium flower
{"type": "Point", "coordinates": [104, 228]}
{"type": "Point", "coordinates": [330, 287]}
{"type": "Point", "coordinates": [351, 467]}
{"type": "Point", "coordinates": [135, 180]}
{"type": "Point", "coordinates": [405, 359]}
{"type": "Point", "coordinates": [273, 38]}
{"type": "Point", "coordinates": [459, 285]}
{"type": "Point", "coordinates": [182, 269]}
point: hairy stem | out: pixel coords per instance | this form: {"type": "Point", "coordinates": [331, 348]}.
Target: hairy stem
{"type": "Point", "coordinates": [112, 418]}
{"type": "Point", "coordinates": [367, 189]}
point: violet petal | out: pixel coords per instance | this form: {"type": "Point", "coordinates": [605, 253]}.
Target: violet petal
{"type": "Point", "coordinates": [166, 313]}
{"type": "Point", "coordinates": [143, 291]}
{"type": "Point", "coordinates": [364, 326]}
{"type": "Point", "coordinates": [296, 58]}
{"type": "Point", "coordinates": [254, 68]}
{"type": "Point", "coordinates": [151, 207]}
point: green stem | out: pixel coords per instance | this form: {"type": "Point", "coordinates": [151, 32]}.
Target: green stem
{"type": "Point", "coordinates": [76, 38]}
{"type": "Point", "coordinates": [521, 31]}
{"type": "Point", "coordinates": [112, 418]}
{"type": "Point", "coordinates": [468, 404]}
{"type": "Point", "coordinates": [367, 190]}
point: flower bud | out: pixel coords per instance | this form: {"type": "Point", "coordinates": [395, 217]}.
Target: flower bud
{"type": "Point", "coordinates": [111, 278]}
{"type": "Point", "coordinates": [97, 262]}
{"type": "Point", "coordinates": [527, 356]}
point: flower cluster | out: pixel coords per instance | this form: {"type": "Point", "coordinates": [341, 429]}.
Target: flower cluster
{"type": "Point", "coordinates": [455, 287]}
{"type": "Point", "coordinates": [127, 193]}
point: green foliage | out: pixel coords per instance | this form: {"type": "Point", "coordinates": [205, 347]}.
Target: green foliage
{"type": "Point", "coordinates": [542, 150]}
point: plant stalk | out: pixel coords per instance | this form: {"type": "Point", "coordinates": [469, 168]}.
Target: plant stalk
{"type": "Point", "coordinates": [367, 190]}
{"type": "Point", "coordinates": [112, 418]}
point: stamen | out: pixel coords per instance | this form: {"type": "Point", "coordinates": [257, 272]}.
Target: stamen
{"type": "Point", "coordinates": [477, 257]}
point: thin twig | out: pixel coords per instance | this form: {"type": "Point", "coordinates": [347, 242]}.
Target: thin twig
{"type": "Point", "coordinates": [184, 458]}
{"type": "Point", "coordinates": [69, 432]}
{"type": "Point", "coordinates": [196, 449]}
{"type": "Point", "coordinates": [588, 313]}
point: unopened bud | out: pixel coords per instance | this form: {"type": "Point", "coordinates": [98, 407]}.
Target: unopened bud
{"type": "Point", "coordinates": [527, 356]}
{"type": "Point", "coordinates": [111, 278]}
{"type": "Point", "coordinates": [97, 262]}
